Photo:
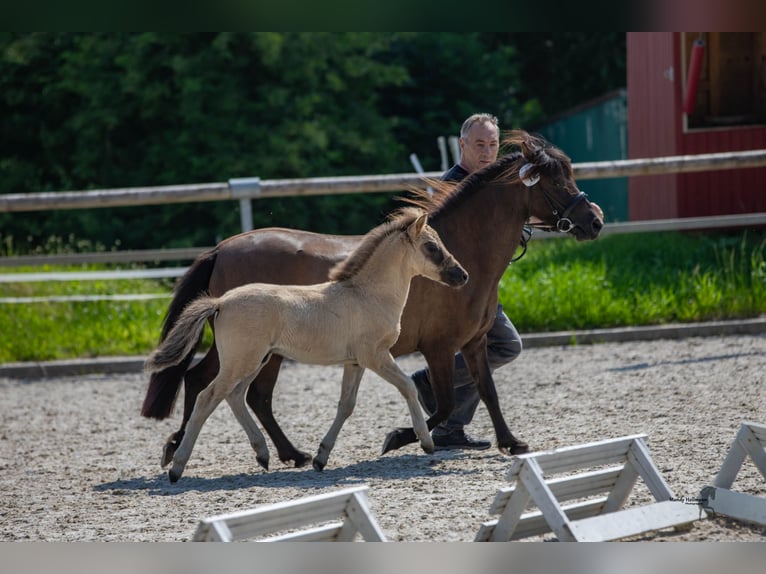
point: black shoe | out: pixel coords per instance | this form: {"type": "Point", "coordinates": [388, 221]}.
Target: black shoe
{"type": "Point", "coordinates": [458, 439]}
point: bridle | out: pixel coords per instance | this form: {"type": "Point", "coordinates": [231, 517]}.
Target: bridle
{"type": "Point", "coordinates": [563, 223]}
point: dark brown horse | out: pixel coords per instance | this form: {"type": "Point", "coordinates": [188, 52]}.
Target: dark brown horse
{"type": "Point", "coordinates": [480, 222]}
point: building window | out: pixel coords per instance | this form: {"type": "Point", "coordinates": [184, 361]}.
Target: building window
{"type": "Point", "coordinates": [732, 82]}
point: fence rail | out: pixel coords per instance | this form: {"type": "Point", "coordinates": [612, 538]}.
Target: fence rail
{"type": "Point", "coordinates": [244, 188]}
{"type": "Point", "coordinates": [249, 188]}
{"type": "Point", "coordinates": [190, 253]}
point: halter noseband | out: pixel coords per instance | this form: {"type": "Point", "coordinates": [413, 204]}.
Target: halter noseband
{"type": "Point", "coordinates": [563, 222]}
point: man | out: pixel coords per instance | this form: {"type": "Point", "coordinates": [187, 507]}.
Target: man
{"type": "Point", "coordinates": [479, 145]}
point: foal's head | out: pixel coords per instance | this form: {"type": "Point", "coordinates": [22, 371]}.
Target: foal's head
{"type": "Point", "coordinates": [425, 250]}
{"type": "Point", "coordinates": [429, 253]}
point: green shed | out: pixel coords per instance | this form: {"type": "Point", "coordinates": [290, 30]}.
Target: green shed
{"type": "Point", "coordinates": [596, 131]}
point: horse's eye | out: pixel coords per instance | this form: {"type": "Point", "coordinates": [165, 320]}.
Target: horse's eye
{"type": "Point", "coordinates": [431, 248]}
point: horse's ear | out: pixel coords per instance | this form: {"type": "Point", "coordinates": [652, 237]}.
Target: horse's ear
{"type": "Point", "coordinates": [417, 226]}
{"type": "Point", "coordinates": [533, 152]}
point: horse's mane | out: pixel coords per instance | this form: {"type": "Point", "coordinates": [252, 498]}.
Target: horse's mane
{"type": "Point", "coordinates": [526, 148]}
{"type": "Point", "coordinates": [398, 222]}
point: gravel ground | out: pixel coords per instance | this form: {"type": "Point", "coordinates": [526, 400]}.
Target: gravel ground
{"type": "Point", "coordinates": [79, 463]}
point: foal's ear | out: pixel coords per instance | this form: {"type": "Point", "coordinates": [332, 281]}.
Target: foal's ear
{"type": "Point", "coordinates": [417, 226]}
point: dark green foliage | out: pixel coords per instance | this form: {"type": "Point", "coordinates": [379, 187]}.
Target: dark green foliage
{"type": "Point", "coordinates": [105, 110]}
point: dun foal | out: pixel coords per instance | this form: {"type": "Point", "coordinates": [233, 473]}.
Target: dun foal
{"type": "Point", "coordinates": [354, 320]}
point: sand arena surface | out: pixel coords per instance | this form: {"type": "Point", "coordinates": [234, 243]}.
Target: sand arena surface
{"type": "Point", "coordinates": [79, 463]}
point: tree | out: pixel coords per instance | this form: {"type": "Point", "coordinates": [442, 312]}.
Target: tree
{"type": "Point", "coordinates": [97, 110]}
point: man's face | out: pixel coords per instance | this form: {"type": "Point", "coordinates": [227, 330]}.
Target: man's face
{"type": "Point", "coordinates": [479, 148]}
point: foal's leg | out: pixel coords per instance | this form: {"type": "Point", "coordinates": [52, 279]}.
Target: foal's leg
{"type": "Point", "coordinates": [441, 365]}
{"type": "Point", "coordinates": [195, 380]}
{"type": "Point", "coordinates": [259, 397]}
{"type": "Point", "coordinates": [390, 371]}
{"type": "Point", "coordinates": [236, 400]}
{"type": "Point", "coordinates": [206, 403]}
{"type": "Point", "coordinates": [352, 375]}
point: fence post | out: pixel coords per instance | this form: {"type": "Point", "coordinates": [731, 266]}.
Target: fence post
{"type": "Point", "coordinates": [246, 214]}
{"type": "Point", "coordinates": [245, 188]}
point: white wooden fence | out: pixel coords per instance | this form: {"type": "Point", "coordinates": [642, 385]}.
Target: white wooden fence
{"type": "Point", "coordinates": [244, 189]}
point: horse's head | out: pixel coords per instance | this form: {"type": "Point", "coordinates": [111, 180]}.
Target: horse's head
{"type": "Point", "coordinates": [432, 257]}
{"type": "Point", "coordinates": [555, 199]}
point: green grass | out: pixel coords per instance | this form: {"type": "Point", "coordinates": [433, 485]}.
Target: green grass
{"type": "Point", "coordinates": [60, 330]}
{"type": "Point", "coordinates": [561, 284]}
{"type": "Point", "coordinates": [640, 279]}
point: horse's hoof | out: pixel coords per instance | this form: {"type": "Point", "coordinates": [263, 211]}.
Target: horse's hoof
{"type": "Point", "coordinates": [263, 461]}
{"type": "Point", "coordinates": [515, 447]}
{"type": "Point", "coordinates": [398, 438]}
{"type": "Point", "coordinates": [519, 447]}
{"type": "Point", "coordinates": [167, 454]}
{"type": "Point", "coordinates": [318, 466]}
{"type": "Point", "coordinates": [301, 459]}
{"type": "Point", "coordinates": [173, 476]}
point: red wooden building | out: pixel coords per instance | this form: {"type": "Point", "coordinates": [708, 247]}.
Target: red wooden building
{"type": "Point", "coordinates": [729, 115]}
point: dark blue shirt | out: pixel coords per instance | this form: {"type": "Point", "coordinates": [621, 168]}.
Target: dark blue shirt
{"type": "Point", "coordinates": [456, 173]}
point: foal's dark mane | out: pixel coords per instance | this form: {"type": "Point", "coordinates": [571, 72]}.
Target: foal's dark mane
{"type": "Point", "coordinates": [447, 195]}
{"type": "Point", "coordinates": [398, 222]}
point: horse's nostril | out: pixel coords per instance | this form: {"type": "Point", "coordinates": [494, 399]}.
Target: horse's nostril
{"type": "Point", "coordinates": [597, 224]}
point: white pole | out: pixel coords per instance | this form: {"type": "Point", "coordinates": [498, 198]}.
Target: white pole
{"type": "Point", "coordinates": [419, 168]}
{"type": "Point", "coordinates": [246, 214]}
{"type": "Point", "coordinates": [454, 145]}
{"type": "Point", "coordinates": [442, 143]}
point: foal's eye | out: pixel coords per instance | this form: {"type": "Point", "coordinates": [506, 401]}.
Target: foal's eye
{"type": "Point", "coordinates": [433, 252]}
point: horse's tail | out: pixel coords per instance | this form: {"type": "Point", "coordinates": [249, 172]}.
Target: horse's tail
{"type": "Point", "coordinates": [164, 384]}
{"type": "Point", "coordinates": [184, 335]}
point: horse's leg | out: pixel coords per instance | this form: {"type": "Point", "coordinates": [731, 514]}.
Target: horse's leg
{"type": "Point", "coordinates": [475, 355]}
{"type": "Point", "coordinates": [352, 375]}
{"type": "Point", "coordinates": [259, 397]}
{"type": "Point", "coordinates": [442, 368]}
{"type": "Point", "coordinates": [195, 380]}
{"type": "Point", "coordinates": [206, 403]}
{"type": "Point", "coordinates": [236, 400]}
{"type": "Point", "coordinates": [390, 371]}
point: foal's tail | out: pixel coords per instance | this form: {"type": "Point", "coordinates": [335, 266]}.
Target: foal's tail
{"type": "Point", "coordinates": [164, 384]}
{"type": "Point", "coordinates": [184, 335]}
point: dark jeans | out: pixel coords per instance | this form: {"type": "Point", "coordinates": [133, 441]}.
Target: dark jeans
{"type": "Point", "coordinates": [503, 346]}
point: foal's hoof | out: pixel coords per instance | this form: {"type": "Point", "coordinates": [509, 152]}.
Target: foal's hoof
{"type": "Point", "coordinates": [167, 454]}
{"type": "Point", "coordinates": [173, 476]}
{"type": "Point", "coordinates": [318, 465]}
{"type": "Point", "coordinates": [263, 461]}
{"type": "Point", "coordinates": [398, 438]}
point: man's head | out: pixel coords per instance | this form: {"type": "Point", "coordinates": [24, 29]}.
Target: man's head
{"type": "Point", "coordinates": [479, 141]}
